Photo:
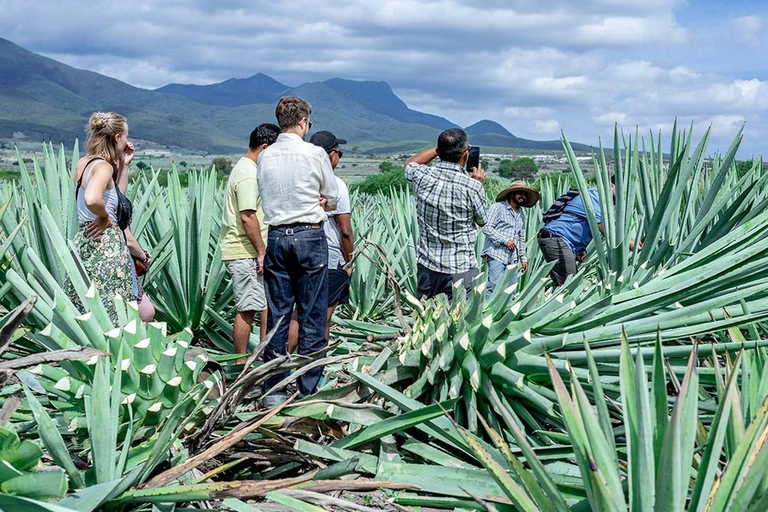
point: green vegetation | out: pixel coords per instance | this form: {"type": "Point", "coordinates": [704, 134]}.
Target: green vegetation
{"type": "Point", "coordinates": [522, 168]}
{"type": "Point", "coordinates": [641, 384]}
{"type": "Point", "coordinates": [222, 165]}
{"type": "Point", "coordinates": [390, 177]}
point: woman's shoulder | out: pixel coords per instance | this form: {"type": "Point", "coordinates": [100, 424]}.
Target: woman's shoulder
{"type": "Point", "coordinates": [96, 164]}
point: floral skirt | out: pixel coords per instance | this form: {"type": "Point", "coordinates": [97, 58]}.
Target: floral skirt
{"type": "Point", "coordinates": [108, 265]}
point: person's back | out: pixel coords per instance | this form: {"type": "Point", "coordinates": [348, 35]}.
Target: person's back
{"type": "Point", "coordinates": [292, 170]}
{"type": "Point", "coordinates": [565, 238]}
{"type": "Point", "coordinates": [572, 225]}
{"type": "Point", "coordinates": [449, 207]}
{"type": "Point", "coordinates": [294, 176]}
{"type": "Point", "coordinates": [241, 194]}
{"type": "Point", "coordinates": [447, 202]}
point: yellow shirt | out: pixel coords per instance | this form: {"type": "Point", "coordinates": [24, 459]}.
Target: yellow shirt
{"type": "Point", "coordinates": [242, 194]}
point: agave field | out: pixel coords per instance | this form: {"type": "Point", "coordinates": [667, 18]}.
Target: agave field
{"type": "Point", "coordinates": [639, 385]}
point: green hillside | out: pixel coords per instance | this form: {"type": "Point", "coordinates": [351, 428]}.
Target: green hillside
{"type": "Point", "coordinates": [43, 99]}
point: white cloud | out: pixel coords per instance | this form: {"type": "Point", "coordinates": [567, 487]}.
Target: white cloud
{"type": "Point", "coordinates": [546, 127]}
{"type": "Point", "coordinates": [747, 30]}
{"type": "Point", "coordinates": [631, 31]}
{"type": "Point", "coordinates": [527, 112]}
{"type": "Point", "coordinates": [610, 119]}
{"type": "Point", "coordinates": [579, 66]}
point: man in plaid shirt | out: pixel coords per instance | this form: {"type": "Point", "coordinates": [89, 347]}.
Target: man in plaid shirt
{"type": "Point", "coordinates": [450, 205]}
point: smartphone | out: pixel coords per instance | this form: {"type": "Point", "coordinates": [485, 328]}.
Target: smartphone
{"type": "Point", "coordinates": [474, 158]}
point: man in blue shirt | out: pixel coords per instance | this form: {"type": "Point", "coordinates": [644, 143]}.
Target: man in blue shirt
{"type": "Point", "coordinates": [566, 238]}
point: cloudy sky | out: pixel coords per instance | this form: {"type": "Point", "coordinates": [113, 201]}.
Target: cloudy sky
{"type": "Point", "coordinates": [535, 67]}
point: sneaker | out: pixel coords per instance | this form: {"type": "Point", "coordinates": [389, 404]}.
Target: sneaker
{"type": "Point", "coordinates": [274, 399]}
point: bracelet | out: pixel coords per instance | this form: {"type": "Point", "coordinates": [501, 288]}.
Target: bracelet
{"type": "Point", "coordinates": [147, 257]}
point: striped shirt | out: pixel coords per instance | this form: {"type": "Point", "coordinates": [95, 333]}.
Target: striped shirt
{"type": "Point", "coordinates": [449, 206]}
{"type": "Point", "coordinates": [505, 223]}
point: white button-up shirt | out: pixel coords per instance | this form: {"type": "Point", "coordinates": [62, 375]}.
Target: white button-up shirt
{"type": "Point", "coordinates": [292, 175]}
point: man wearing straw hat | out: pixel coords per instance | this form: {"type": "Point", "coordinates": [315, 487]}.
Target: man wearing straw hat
{"type": "Point", "coordinates": [505, 232]}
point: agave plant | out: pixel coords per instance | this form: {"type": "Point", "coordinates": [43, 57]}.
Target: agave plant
{"type": "Point", "coordinates": [666, 460]}
{"type": "Point", "coordinates": [189, 286]}
{"type": "Point", "coordinates": [467, 347]}
{"type": "Point", "coordinates": [18, 477]}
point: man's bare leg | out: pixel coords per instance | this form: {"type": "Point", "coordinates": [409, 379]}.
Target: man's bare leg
{"type": "Point", "coordinates": [328, 321]}
{"type": "Point", "coordinates": [293, 333]}
{"type": "Point", "coordinates": [242, 332]}
{"type": "Point", "coordinates": [263, 326]}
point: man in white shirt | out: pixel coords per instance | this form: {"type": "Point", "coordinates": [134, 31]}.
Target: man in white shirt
{"type": "Point", "coordinates": [296, 183]}
{"type": "Point", "coordinates": [341, 240]}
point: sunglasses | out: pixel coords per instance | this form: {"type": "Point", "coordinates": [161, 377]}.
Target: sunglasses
{"type": "Point", "coordinates": [309, 122]}
{"type": "Point", "coordinates": [338, 152]}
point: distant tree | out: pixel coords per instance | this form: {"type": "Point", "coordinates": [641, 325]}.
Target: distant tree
{"type": "Point", "coordinates": [505, 167]}
{"type": "Point", "coordinates": [222, 165]}
{"type": "Point", "coordinates": [391, 177]}
{"type": "Point", "coordinates": [485, 163]}
{"type": "Point", "coordinates": [523, 168]}
{"type": "Point", "coordinates": [183, 164]}
{"type": "Point", "coordinates": [140, 165]}
{"type": "Point", "coordinates": [354, 149]}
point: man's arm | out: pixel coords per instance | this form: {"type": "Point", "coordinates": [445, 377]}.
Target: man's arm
{"type": "Point", "coordinates": [347, 237]}
{"type": "Point", "coordinates": [328, 188]}
{"type": "Point", "coordinates": [520, 243]}
{"type": "Point", "coordinates": [490, 230]}
{"type": "Point", "coordinates": [422, 157]}
{"type": "Point", "coordinates": [478, 203]}
{"type": "Point", "coordinates": [252, 228]}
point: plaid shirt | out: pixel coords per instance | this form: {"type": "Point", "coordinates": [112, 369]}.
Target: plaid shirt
{"type": "Point", "coordinates": [448, 206]}
{"type": "Point", "coordinates": [505, 223]}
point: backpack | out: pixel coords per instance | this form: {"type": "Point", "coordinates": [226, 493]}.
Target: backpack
{"type": "Point", "coordinates": [554, 211]}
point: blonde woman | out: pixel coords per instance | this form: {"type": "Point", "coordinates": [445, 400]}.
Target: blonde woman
{"type": "Point", "coordinates": [100, 241]}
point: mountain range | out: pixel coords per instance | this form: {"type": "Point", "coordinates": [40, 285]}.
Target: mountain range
{"type": "Point", "coordinates": [43, 99]}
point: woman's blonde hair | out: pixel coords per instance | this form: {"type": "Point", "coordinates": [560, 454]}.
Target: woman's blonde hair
{"type": "Point", "coordinates": [102, 128]}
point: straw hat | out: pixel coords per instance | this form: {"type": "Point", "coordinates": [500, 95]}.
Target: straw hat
{"type": "Point", "coordinates": [520, 185]}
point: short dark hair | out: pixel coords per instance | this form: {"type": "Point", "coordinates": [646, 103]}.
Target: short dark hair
{"type": "Point", "coordinates": [451, 144]}
{"type": "Point", "coordinates": [291, 110]}
{"type": "Point", "coordinates": [265, 133]}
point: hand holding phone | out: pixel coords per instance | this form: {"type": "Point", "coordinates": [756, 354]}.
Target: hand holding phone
{"type": "Point", "coordinates": [474, 158]}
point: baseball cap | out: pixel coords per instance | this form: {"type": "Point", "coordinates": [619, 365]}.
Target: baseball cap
{"type": "Point", "coordinates": [326, 140]}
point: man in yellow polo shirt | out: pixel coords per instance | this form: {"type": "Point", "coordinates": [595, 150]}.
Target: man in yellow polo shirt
{"type": "Point", "coordinates": [244, 236]}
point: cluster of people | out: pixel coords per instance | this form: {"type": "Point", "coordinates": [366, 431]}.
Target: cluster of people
{"type": "Point", "coordinates": [287, 240]}
{"type": "Point", "coordinates": [286, 232]}
{"type": "Point", "coordinates": [451, 205]}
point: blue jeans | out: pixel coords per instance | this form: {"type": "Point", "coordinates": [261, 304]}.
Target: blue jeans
{"type": "Point", "coordinates": [495, 271]}
{"type": "Point", "coordinates": [296, 272]}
